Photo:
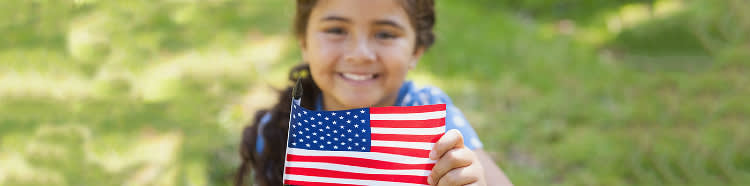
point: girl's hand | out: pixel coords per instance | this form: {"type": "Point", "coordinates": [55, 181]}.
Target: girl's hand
{"type": "Point", "coordinates": [456, 164]}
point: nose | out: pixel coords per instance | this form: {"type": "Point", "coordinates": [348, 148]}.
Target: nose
{"type": "Point", "coordinates": [360, 51]}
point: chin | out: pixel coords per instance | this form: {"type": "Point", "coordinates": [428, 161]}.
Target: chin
{"type": "Point", "coordinates": [360, 102]}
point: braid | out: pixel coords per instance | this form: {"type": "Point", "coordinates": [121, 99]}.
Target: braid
{"type": "Point", "coordinates": [269, 163]}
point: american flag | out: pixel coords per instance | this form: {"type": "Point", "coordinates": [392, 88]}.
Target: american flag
{"type": "Point", "coordinates": [369, 146]}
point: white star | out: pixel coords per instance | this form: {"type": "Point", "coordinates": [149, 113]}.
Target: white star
{"type": "Point", "coordinates": [304, 112]}
{"type": "Point", "coordinates": [334, 122]}
{"type": "Point", "coordinates": [298, 114]}
{"type": "Point", "coordinates": [295, 135]}
{"type": "Point", "coordinates": [364, 140]}
{"type": "Point", "coordinates": [356, 126]}
{"type": "Point", "coordinates": [350, 139]}
{"type": "Point", "coordinates": [326, 118]}
{"type": "Point", "coordinates": [335, 147]}
{"type": "Point", "coordinates": [347, 113]}
{"type": "Point", "coordinates": [355, 116]}
{"type": "Point", "coordinates": [329, 142]}
{"type": "Point", "coordinates": [318, 114]}
{"type": "Point", "coordinates": [334, 131]}
{"type": "Point", "coordinates": [321, 138]}
{"type": "Point", "coordinates": [356, 135]}
{"type": "Point", "coordinates": [315, 141]}
{"type": "Point", "coordinates": [342, 127]}
{"type": "Point", "coordinates": [314, 125]}
{"type": "Point", "coordinates": [307, 129]}
{"type": "Point", "coordinates": [315, 133]}
{"type": "Point", "coordinates": [335, 139]}
{"type": "Point", "coordinates": [356, 144]}
{"type": "Point", "coordinates": [350, 148]}
{"type": "Point", "coordinates": [300, 132]}
{"type": "Point", "coordinates": [294, 126]}
{"type": "Point", "coordinates": [348, 121]}
{"type": "Point", "coordinates": [342, 143]}
{"type": "Point", "coordinates": [363, 148]}
{"type": "Point", "coordinates": [327, 127]}
{"type": "Point", "coordinates": [301, 140]}
{"type": "Point", "coordinates": [320, 122]}
{"type": "Point", "coordinates": [342, 135]}
{"type": "Point", "coordinates": [328, 135]}
{"type": "Point", "coordinates": [333, 113]}
{"type": "Point", "coordinates": [298, 123]}
{"type": "Point", "coordinates": [321, 130]}
{"type": "Point", "coordinates": [308, 137]}
{"type": "Point", "coordinates": [321, 146]}
{"type": "Point", "coordinates": [363, 130]}
{"type": "Point", "coordinates": [349, 130]}
{"type": "Point", "coordinates": [306, 121]}
{"type": "Point", "coordinates": [362, 111]}
{"type": "Point", "coordinates": [341, 117]}
{"type": "Point", "coordinates": [363, 121]}
{"type": "Point", "coordinates": [294, 144]}
{"type": "Point", "coordinates": [312, 118]}
{"type": "Point", "coordinates": [308, 145]}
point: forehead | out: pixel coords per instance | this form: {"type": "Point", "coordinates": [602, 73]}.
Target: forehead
{"type": "Point", "coordinates": [361, 10]}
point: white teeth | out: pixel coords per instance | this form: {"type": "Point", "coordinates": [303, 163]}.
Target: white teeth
{"type": "Point", "coordinates": [358, 77]}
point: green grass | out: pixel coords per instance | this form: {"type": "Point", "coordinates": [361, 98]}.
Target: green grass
{"type": "Point", "coordinates": [156, 93]}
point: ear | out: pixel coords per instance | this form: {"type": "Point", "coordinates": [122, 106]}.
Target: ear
{"type": "Point", "coordinates": [415, 58]}
{"type": "Point", "coordinates": [303, 50]}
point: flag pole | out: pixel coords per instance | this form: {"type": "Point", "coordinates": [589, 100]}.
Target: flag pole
{"type": "Point", "coordinates": [296, 100]}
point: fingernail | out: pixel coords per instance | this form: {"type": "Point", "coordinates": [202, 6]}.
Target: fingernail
{"type": "Point", "coordinates": [432, 155]}
{"type": "Point", "coordinates": [429, 179]}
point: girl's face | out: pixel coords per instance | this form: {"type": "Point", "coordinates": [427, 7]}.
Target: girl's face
{"type": "Point", "coordinates": [359, 51]}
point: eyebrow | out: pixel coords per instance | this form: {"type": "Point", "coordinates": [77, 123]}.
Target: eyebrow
{"type": "Point", "coordinates": [389, 23]}
{"type": "Point", "coordinates": [335, 18]}
{"type": "Point", "coordinates": [377, 22]}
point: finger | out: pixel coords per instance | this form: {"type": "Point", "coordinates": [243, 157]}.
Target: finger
{"type": "Point", "coordinates": [451, 139]}
{"type": "Point", "coordinates": [459, 176]}
{"type": "Point", "coordinates": [452, 159]}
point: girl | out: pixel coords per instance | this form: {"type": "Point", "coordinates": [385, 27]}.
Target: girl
{"type": "Point", "coordinates": [356, 54]}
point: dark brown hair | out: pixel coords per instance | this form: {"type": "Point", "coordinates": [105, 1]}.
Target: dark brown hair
{"type": "Point", "coordinates": [268, 164]}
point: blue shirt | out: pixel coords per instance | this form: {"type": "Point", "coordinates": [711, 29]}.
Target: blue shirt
{"type": "Point", "coordinates": [410, 95]}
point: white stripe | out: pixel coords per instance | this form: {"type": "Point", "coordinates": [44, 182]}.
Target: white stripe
{"type": "Point", "coordinates": [409, 116]}
{"type": "Point", "coordinates": [356, 169]}
{"type": "Point", "coordinates": [409, 131]}
{"type": "Point", "coordinates": [344, 181]}
{"type": "Point", "coordinates": [365, 155]}
{"type": "Point", "coordinates": [403, 144]}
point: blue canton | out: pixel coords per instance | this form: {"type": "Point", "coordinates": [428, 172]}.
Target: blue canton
{"type": "Point", "coordinates": [347, 130]}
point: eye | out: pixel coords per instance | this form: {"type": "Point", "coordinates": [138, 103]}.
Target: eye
{"type": "Point", "coordinates": [335, 31]}
{"type": "Point", "coordinates": [385, 35]}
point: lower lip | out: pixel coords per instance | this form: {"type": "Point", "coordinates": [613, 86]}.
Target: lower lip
{"type": "Point", "coordinates": [358, 82]}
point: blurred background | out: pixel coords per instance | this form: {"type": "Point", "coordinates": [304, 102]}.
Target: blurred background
{"type": "Point", "coordinates": [568, 92]}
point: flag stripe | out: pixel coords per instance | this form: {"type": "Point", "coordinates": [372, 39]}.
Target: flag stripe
{"type": "Point", "coordinates": [430, 123]}
{"type": "Point", "coordinates": [407, 110]}
{"type": "Point", "coordinates": [361, 162]}
{"type": "Point", "coordinates": [408, 138]}
{"type": "Point", "coordinates": [402, 151]}
{"type": "Point", "coordinates": [401, 144]}
{"type": "Point", "coordinates": [350, 175]}
{"type": "Point", "coordinates": [314, 179]}
{"type": "Point", "coordinates": [395, 158]}
{"type": "Point", "coordinates": [308, 183]}
{"type": "Point", "coordinates": [355, 169]}
{"type": "Point", "coordinates": [412, 116]}
{"type": "Point", "coordinates": [409, 131]}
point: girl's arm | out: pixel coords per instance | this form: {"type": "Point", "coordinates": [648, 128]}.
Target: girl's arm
{"type": "Point", "coordinates": [492, 172]}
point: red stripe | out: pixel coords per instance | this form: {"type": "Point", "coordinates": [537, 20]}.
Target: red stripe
{"type": "Point", "coordinates": [307, 183]}
{"type": "Point", "coordinates": [407, 110]}
{"type": "Point", "coordinates": [406, 137]}
{"type": "Point", "coordinates": [360, 162]}
{"type": "Point", "coordinates": [359, 176]}
{"type": "Point", "coordinates": [430, 123]}
{"type": "Point", "coordinates": [419, 153]}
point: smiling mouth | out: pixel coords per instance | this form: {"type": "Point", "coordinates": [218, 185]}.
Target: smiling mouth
{"type": "Point", "coordinates": [359, 77]}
